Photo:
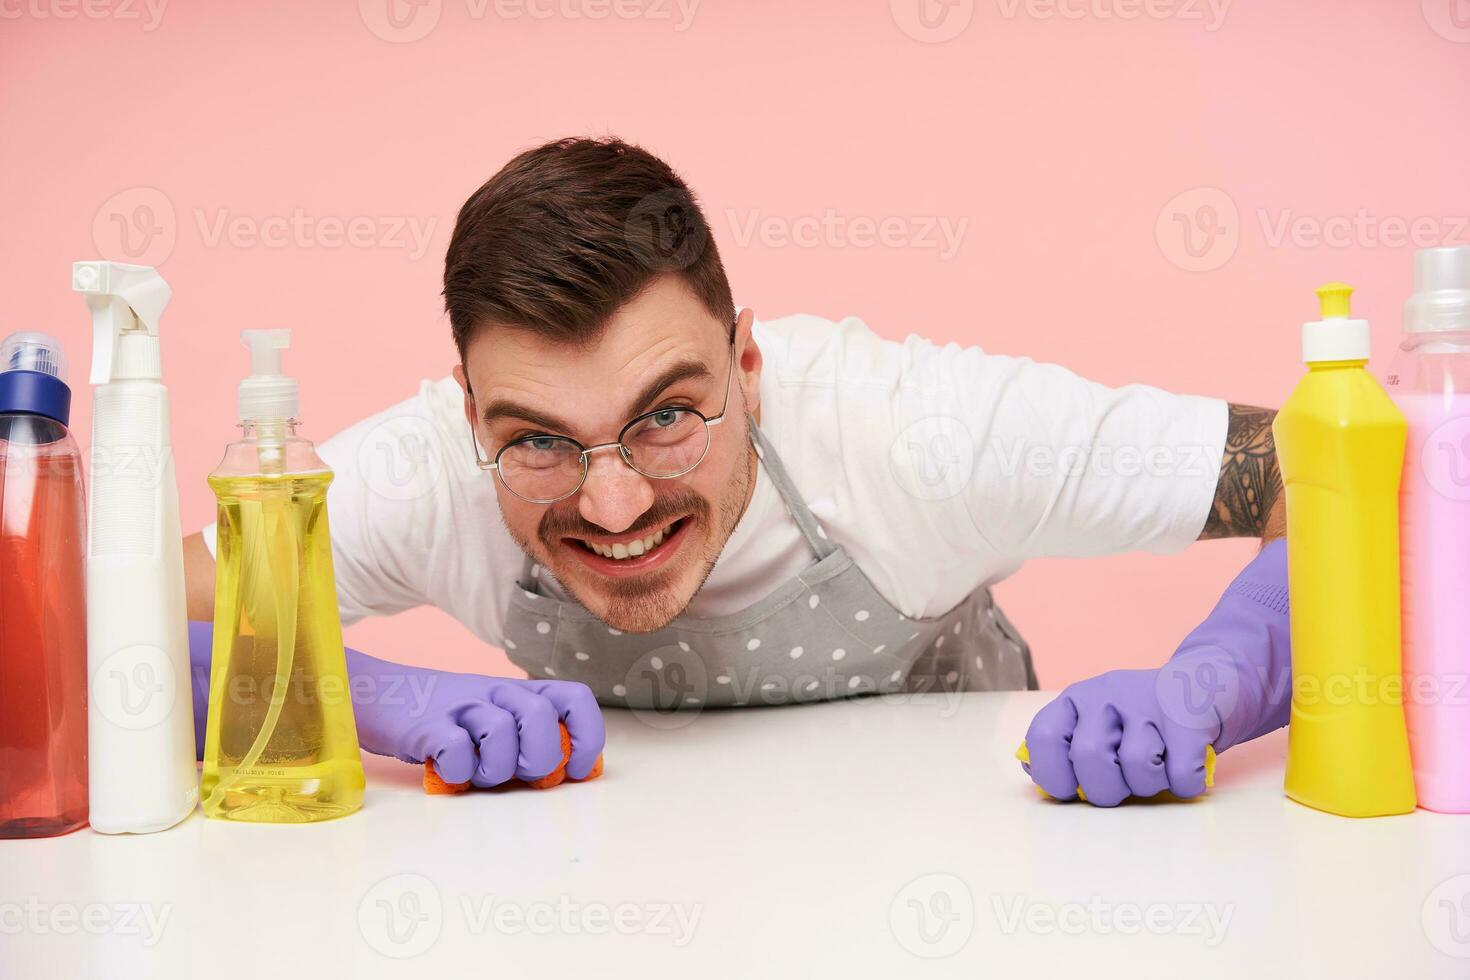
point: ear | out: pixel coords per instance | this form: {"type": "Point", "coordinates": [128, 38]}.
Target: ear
{"type": "Point", "coordinates": [748, 360]}
{"type": "Point", "coordinates": [464, 385]}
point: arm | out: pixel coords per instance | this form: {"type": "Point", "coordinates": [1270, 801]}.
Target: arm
{"type": "Point", "coordinates": [1249, 502]}
{"type": "Point", "coordinates": [198, 578]}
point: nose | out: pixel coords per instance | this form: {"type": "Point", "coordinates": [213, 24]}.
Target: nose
{"type": "Point", "coordinates": [614, 494]}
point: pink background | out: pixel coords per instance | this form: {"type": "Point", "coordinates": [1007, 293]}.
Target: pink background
{"type": "Point", "coordinates": [1065, 137]}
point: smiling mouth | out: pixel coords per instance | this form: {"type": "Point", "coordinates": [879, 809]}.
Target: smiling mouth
{"type": "Point", "coordinates": [631, 548]}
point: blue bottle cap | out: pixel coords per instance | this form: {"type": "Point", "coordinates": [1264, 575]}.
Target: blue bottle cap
{"type": "Point", "coordinates": [33, 377]}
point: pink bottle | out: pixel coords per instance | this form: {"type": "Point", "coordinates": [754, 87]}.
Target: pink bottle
{"type": "Point", "coordinates": [1430, 382]}
{"type": "Point", "coordinates": [43, 615]}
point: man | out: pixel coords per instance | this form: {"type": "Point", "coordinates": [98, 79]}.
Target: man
{"type": "Point", "coordinates": [636, 487]}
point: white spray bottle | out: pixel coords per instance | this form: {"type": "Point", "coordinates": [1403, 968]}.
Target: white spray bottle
{"type": "Point", "coordinates": [141, 774]}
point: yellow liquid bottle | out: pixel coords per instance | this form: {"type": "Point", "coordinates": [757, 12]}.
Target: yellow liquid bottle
{"type": "Point", "coordinates": [1340, 441]}
{"type": "Point", "coordinates": [281, 742]}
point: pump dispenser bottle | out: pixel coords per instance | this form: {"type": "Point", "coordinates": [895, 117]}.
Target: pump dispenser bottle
{"type": "Point", "coordinates": [1341, 445]}
{"type": "Point", "coordinates": [43, 620]}
{"type": "Point", "coordinates": [140, 702]}
{"type": "Point", "coordinates": [281, 744]}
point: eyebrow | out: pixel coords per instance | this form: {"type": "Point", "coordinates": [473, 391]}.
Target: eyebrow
{"type": "Point", "coordinates": [688, 369]}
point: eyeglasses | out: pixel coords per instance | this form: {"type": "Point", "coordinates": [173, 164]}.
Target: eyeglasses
{"type": "Point", "coordinates": [662, 444]}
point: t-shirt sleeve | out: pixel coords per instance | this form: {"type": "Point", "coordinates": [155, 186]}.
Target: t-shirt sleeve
{"type": "Point", "coordinates": [1062, 466]}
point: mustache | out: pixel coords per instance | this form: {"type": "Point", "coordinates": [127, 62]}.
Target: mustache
{"type": "Point", "coordinates": [664, 511]}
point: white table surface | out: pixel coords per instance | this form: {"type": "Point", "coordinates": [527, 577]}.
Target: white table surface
{"type": "Point", "coordinates": [868, 838]}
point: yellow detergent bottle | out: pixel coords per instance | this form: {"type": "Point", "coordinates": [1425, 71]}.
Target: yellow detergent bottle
{"type": "Point", "coordinates": [1340, 441]}
{"type": "Point", "coordinates": [281, 743]}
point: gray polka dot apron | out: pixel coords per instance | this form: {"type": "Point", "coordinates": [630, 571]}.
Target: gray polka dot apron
{"type": "Point", "coordinates": [828, 633]}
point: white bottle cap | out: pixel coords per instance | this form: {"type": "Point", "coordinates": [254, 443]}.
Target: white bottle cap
{"type": "Point", "coordinates": [267, 395]}
{"type": "Point", "coordinates": [1441, 300]}
{"type": "Point", "coordinates": [1335, 337]}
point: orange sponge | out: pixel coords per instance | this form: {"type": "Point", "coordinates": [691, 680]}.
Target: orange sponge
{"type": "Point", "coordinates": [435, 785]}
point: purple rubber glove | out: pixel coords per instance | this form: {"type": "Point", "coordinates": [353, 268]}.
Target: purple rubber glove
{"type": "Point", "coordinates": [1139, 732]}
{"type": "Point", "coordinates": [485, 730]}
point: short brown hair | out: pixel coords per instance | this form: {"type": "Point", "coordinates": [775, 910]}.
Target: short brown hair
{"type": "Point", "coordinates": [567, 233]}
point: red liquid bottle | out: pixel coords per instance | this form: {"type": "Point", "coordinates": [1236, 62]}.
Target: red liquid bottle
{"type": "Point", "coordinates": [43, 615]}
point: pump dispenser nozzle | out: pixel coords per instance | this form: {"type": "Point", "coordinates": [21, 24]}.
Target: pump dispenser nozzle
{"type": "Point", "coordinates": [267, 395]}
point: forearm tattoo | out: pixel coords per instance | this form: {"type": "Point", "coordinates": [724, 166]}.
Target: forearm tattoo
{"type": "Point", "coordinates": [1250, 480]}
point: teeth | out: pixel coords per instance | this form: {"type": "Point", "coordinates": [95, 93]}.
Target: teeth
{"type": "Point", "coordinates": [633, 548]}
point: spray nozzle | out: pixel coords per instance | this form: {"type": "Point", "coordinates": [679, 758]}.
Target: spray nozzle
{"type": "Point", "coordinates": [267, 395]}
{"type": "Point", "coordinates": [126, 301]}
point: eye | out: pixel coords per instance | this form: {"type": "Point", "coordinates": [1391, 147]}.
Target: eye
{"type": "Point", "coordinates": [665, 417]}
{"type": "Point", "coordinates": [542, 444]}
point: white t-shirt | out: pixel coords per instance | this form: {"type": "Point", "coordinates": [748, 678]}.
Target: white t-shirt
{"type": "Point", "coordinates": [939, 469]}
